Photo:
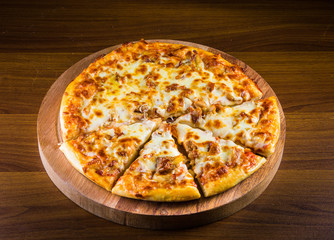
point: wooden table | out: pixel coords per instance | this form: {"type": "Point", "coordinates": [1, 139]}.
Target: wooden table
{"type": "Point", "coordinates": [291, 44]}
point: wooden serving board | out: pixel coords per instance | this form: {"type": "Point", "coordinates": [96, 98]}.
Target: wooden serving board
{"type": "Point", "coordinates": [137, 213]}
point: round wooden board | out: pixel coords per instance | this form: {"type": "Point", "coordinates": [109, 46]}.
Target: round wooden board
{"type": "Point", "coordinates": [137, 213]}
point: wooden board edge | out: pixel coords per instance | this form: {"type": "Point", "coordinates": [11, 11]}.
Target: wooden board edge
{"type": "Point", "coordinates": [131, 219]}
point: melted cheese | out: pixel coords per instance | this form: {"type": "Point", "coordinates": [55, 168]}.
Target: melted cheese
{"type": "Point", "coordinates": [158, 172]}
{"type": "Point", "coordinates": [218, 164]}
{"type": "Point", "coordinates": [107, 151]}
{"type": "Point", "coordinates": [162, 145]}
{"type": "Point", "coordinates": [187, 134]}
{"type": "Point", "coordinates": [167, 78]}
{"type": "Point", "coordinates": [253, 124]}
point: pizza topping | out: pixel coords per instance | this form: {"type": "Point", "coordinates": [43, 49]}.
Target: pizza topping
{"type": "Point", "coordinates": [94, 161]}
{"type": "Point", "coordinates": [112, 163]}
{"type": "Point", "coordinates": [192, 150]}
{"type": "Point", "coordinates": [121, 153]}
{"type": "Point", "coordinates": [196, 114]}
{"type": "Point", "coordinates": [214, 148]}
{"type": "Point", "coordinates": [211, 86]}
{"type": "Point", "coordinates": [164, 165]}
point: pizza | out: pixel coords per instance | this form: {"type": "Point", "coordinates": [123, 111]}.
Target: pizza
{"type": "Point", "coordinates": [159, 173]}
{"type": "Point", "coordinates": [125, 120]}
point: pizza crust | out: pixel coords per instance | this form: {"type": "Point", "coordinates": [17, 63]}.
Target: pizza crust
{"type": "Point", "coordinates": [162, 195]}
{"type": "Point", "coordinates": [270, 123]}
{"type": "Point", "coordinates": [71, 156]}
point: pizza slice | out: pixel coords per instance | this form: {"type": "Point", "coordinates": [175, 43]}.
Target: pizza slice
{"type": "Point", "coordinates": [159, 173]}
{"type": "Point", "coordinates": [218, 164]}
{"type": "Point", "coordinates": [254, 124]}
{"type": "Point", "coordinates": [103, 155]}
{"type": "Point", "coordinates": [94, 101]}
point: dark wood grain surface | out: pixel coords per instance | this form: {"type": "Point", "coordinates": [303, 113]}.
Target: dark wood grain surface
{"type": "Point", "coordinates": [290, 43]}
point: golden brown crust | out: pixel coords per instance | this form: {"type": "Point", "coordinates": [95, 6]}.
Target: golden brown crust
{"type": "Point", "coordinates": [145, 186]}
{"type": "Point", "coordinates": [225, 176]}
{"type": "Point", "coordinates": [72, 123]}
{"type": "Point", "coordinates": [268, 127]}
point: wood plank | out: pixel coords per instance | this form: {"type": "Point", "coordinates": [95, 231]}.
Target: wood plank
{"type": "Point", "coordinates": [310, 140]}
{"type": "Point", "coordinates": [274, 26]}
{"type": "Point", "coordinates": [18, 143]}
{"type": "Point", "coordinates": [25, 79]}
{"type": "Point", "coordinates": [32, 206]}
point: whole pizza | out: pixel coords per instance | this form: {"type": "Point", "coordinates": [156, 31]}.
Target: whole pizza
{"type": "Point", "coordinates": [157, 121]}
